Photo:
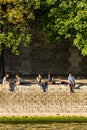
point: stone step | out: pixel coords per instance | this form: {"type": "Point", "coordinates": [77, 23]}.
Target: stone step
{"type": "Point", "coordinates": [32, 99]}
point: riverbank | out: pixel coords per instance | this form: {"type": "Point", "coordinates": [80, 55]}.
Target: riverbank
{"type": "Point", "coordinates": [43, 120]}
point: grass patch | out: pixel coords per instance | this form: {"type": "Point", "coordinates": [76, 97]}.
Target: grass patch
{"type": "Point", "coordinates": [45, 120]}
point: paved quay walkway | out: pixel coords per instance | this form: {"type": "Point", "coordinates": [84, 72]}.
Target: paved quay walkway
{"type": "Point", "coordinates": [30, 100]}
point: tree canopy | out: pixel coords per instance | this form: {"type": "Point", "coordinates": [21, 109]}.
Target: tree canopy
{"type": "Point", "coordinates": [62, 18]}
{"type": "Point", "coordinates": [15, 19]}
{"type": "Point", "coordinates": [68, 19]}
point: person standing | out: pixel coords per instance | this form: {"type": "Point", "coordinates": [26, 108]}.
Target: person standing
{"type": "Point", "coordinates": [71, 81]}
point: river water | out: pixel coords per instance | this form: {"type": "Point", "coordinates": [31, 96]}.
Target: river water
{"type": "Point", "coordinates": [52, 126]}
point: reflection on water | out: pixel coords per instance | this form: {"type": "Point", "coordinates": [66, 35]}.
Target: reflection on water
{"type": "Point", "coordinates": [53, 126]}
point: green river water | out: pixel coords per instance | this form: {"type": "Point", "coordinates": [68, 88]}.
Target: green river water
{"type": "Point", "coordinates": [52, 126]}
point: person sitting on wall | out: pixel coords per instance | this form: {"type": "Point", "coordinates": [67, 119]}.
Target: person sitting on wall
{"type": "Point", "coordinates": [39, 78]}
{"type": "Point", "coordinates": [18, 80]}
{"type": "Point", "coordinates": [5, 81]}
{"type": "Point", "coordinates": [71, 81]}
{"type": "Point", "coordinates": [43, 84]}
{"type": "Point", "coordinates": [50, 79]}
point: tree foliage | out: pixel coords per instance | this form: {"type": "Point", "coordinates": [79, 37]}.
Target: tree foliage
{"type": "Point", "coordinates": [62, 18]}
{"type": "Point", "coordinates": [15, 19]}
{"type": "Point", "coordinates": [67, 18]}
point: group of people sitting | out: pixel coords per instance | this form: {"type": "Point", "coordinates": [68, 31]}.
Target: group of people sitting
{"type": "Point", "coordinates": [44, 84]}
{"type": "Point", "coordinates": [11, 85]}
{"type": "Point", "coordinates": [50, 79]}
{"type": "Point", "coordinates": [71, 81]}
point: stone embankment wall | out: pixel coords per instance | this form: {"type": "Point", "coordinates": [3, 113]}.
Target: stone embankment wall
{"type": "Point", "coordinates": [30, 100]}
{"type": "Point", "coordinates": [58, 60]}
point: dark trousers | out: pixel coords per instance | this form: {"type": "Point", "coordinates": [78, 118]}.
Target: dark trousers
{"type": "Point", "coordinates": [71, 88]}
{"type": "Point", "coordinates": [12, 87]}
{"type": "Point", "coordinates": [44, 86]}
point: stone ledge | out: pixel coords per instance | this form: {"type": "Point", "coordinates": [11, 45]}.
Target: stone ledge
{"type": "Point", "coordinates": [42, 114]}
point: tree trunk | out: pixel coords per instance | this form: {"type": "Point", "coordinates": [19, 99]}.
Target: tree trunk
{"type": "Point", "coordinates": [2, 71]}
